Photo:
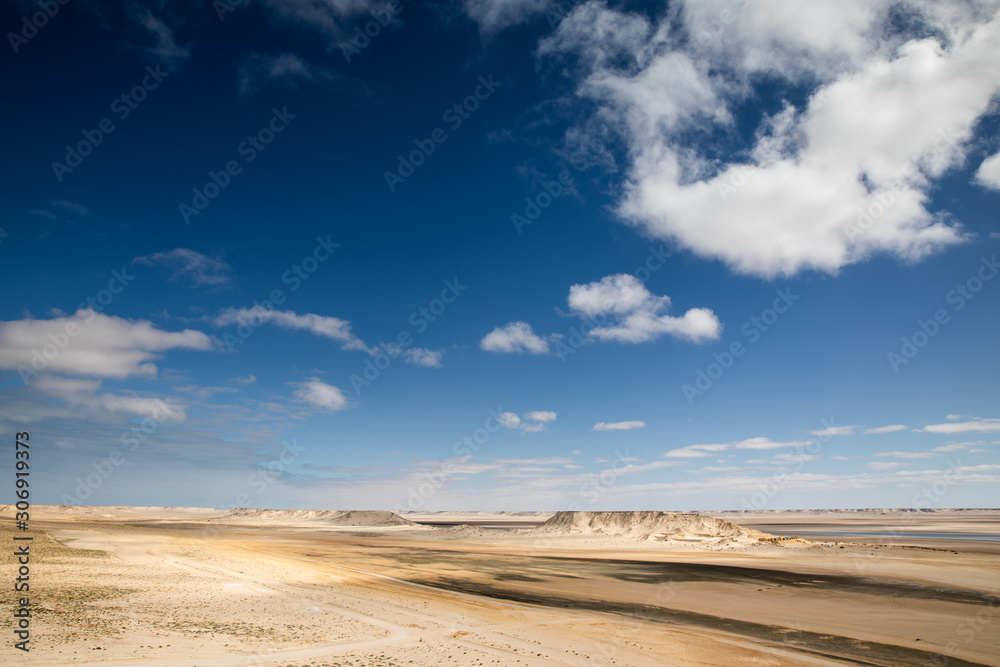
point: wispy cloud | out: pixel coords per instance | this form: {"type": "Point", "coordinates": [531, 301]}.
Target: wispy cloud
{"type": "Point", "coordinates": [759, 443]}
{"type": "Point", "coordinates": [495, 15]}
{"type": "Point", "coordinates": [165, 49]}
{"type": "Point", "coordinates": [79, 392]}
{"type": "Point", "coordinates": [287, 69]}
{"type": "Point", "coordinates": [831, 431]}
{"type": "Point", "coordinates": [891, 428]}
{"type": "Point", "coordinates": [72, 207]}
{"type": "Point", "coordinates": [976, 425]}
{"type": "Point", "coordinates": [958, 446]}
{"type": "Point", "coordinates": [333, 328]}
{"type": "Point", "coordinates": [201, 270]}
{"type": "Point", "coordinates": [886, 465]}
{"type": "Point", "coordinates": [618, 426]}
{"type": "Point", "coordinates": [907, 455]}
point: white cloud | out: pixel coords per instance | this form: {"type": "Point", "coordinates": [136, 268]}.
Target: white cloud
{"type": "Point", "coordinates": [907, 455]}
{"type": "Point", "coordinates": [90, 343]}
{"type": "Point", "coordinates": [977, 425]}
{"type": "Point", "coordinates": [632, 468]}
{"type": "Point", "coordinates": [533, 422]}
{"type": "Point", "coordinates": [538, 461]}
{"type": "Point", "coordinates": [333, 328]}
{"type": "Point", "coordinates": [708, 469]}
{"type": "Point", "coordinates": [333, 18]}
{"type": "Point", "coordinates": [514, 337]}
{"type": "Point", "coordinates": [245, 379]}
{"type": "Point", "coordinates": [698, 451]}
{"type": "Point", "coordinates": [957, 446]}
{"type": "Point", "coordinates": [421, 356]}
{"type": "Point", "coordinates": [73, 207]}
{"type": "Point", "coordinates": [509, 420]}
{"type": "Point", "coordinates": [831, 431]}
{"type": "Point", "coordinates": [319, 394]}
{"type": "Point", "coordinates": [988, 174]}
{"type": "Point", "coordinates": [787, 457]}
{"type": "Point", "coordinates": [495, 15]}
{"type": "Point", "coordinates": [623, 309]}
{"type": "Point", "coordinates": [201, 270]}
{"type": "Point", "coordinates": [638, 315]}
{"type": "Point", "coordinates": [618, 426]}
{"type": "Point", "coordinates": [78, 392]}
{"type": "Point", "coordinates": [886, 465]}
{"type": "Point", "coordinates": [166, 49]}
{"type": "Point", "coordinates": [885, 429]}
{"type": "Point", "coordinates": [794, 201]}
{"type": "Point", "coordinates": [288, 68]}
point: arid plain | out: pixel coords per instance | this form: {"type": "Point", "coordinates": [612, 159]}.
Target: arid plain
{"type": "Point", "coordinates": [183, 586]}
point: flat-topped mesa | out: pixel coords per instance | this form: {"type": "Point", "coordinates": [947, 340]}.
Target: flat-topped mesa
{"type": "Point", "coordinates": [367, 518]}
{"type": "Point", "coordinates": [648, 525]}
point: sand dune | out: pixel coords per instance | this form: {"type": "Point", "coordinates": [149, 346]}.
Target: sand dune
{"type": "Point", "coordinates": [369, 518]}
{"type": "Point", "coordinates": [647, 525]}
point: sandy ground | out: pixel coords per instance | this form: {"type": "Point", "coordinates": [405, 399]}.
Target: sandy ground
{"type": "Point", "coordinates": [152, 586]}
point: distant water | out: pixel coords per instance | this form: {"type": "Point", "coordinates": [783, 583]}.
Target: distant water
{"type": "Point", "coordinates": [902, 535]}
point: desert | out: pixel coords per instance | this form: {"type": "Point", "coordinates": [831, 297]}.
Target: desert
{"type": "Point", "coordinates": [188, 586]}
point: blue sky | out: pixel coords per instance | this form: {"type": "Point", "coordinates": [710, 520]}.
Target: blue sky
{"type": "Point", "coordinates": [512, 255]}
